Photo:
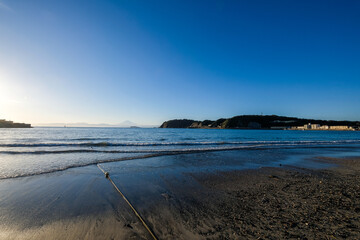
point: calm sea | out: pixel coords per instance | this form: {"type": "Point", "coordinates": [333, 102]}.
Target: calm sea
{"type": "Point", "coordinates": [25, 152]}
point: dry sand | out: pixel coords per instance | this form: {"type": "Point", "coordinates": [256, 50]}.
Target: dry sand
{"type": "Point", "coordinates": [267, 203]}
{"type": "Point", "coordinates": [278, 203]}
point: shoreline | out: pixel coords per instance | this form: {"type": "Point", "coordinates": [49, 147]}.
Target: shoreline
{"type": "Point", "coordinates": [265, 203]}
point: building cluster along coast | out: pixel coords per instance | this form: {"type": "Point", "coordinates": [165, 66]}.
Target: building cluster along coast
{"type": "Point", "coordinates": [310, 126]}
{"type": "Point", "coordinates": [11, 124]}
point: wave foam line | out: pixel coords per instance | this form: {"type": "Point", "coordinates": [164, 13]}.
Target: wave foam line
{"type": "Point", "coordinates": [237, 147]}
{"type": "Point", "coordinates": [141, 144]}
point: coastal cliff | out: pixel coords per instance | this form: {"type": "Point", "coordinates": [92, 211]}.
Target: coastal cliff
{"type": "Point", "coordinates": [254, 122]}
{"type": "Point", "coordinates": [11, 124]}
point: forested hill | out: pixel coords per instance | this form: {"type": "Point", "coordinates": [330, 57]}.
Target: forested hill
{"type": "Point", "coordinates": [253, 122]}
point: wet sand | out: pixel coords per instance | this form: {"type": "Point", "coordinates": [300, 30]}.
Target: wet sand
{"type": "Point", "coordinates": [77, 203]}
{"type": "Point", "coordinates": [267, 203]}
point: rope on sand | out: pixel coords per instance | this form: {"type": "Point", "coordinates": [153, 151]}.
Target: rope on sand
{"type": "Point", "coordinates": [127, 201]}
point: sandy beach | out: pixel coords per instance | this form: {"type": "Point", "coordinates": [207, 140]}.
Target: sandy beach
{"type": "Point", "coordinates": [267, 203]}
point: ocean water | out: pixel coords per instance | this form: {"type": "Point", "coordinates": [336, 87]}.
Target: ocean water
{"type": "Point", "coordinates": [25, 152]}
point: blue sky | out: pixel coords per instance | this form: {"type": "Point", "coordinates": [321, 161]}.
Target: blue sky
{"type": "Point", "coordinates": [150, 61]}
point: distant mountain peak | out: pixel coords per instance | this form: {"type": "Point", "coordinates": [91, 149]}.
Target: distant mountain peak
{"type": "Point", "coordinates": [127, 123]}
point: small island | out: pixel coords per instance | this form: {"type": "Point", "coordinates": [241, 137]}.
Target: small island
{"type": "Point", "coordinates": [11, 124]}
{"type": "Point", "coordinates": [264, 122]}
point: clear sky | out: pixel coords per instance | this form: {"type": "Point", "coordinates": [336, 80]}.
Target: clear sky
{"type": "Point", "coordinates": [150, 61]}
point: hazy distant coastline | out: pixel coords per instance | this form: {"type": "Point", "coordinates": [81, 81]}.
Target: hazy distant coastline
{"type": "Point", "coordinates": [125, 124]}
{"type": "Point", "coordinates": [255, 122]}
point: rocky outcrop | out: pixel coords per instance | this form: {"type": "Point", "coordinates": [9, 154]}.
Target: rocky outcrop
{"type": "Point", "coordinates": [178, 123]}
